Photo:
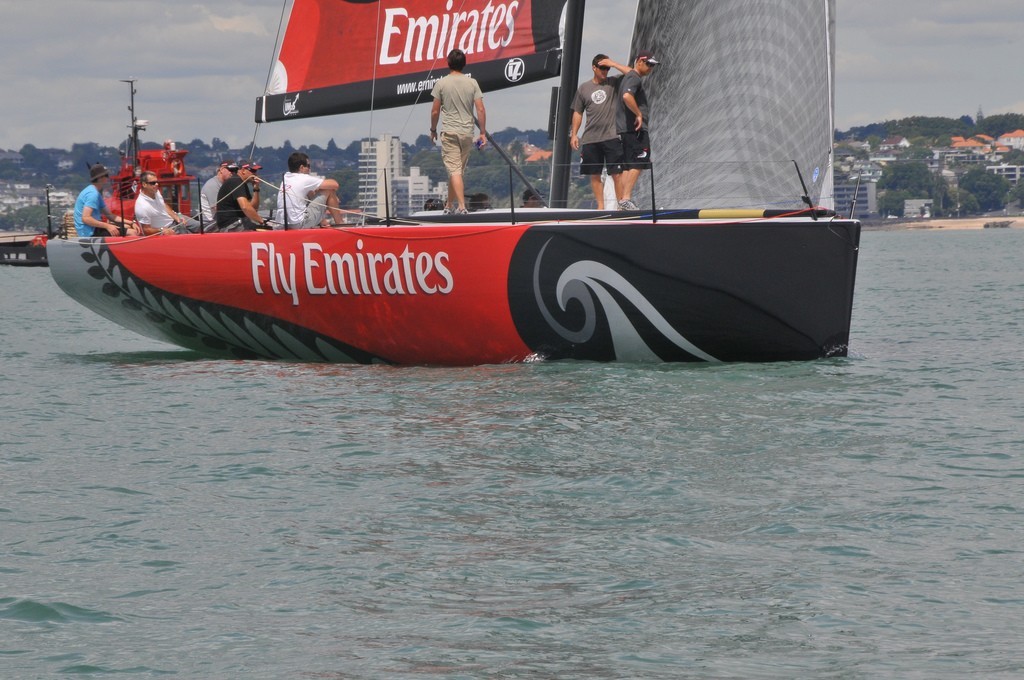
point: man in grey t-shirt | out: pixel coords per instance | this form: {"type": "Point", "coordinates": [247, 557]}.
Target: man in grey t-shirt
{"type": "Point", "coordinates": [633, 125]}
{"type": "Point", "coordinates": [208, 195]}
{"type": "Point", "coordinates": [601, 146]}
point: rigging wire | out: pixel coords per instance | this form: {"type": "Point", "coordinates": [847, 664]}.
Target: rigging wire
{"type": "Point", "coordinates": [430, 73]}
{"type": "Point", "coordinates": [270, 72]}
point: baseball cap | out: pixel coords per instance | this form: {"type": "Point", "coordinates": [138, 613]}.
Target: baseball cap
{"type": "Point", "coordinates": [648, 56]}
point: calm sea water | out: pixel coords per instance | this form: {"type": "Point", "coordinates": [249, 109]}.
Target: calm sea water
{"type": "Point", "coordinates": [164, 514]}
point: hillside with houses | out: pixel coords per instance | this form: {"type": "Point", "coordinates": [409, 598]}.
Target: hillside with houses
{"type": "Point", "coordinates": [914, 167]}
{"type": "Point", "coordinates": [931, 167]}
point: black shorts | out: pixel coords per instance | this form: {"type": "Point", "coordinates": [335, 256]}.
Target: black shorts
{"type": "Point", "coordinates": [637, 149]}
{"type": "Point", "coordinates": [598, 155]}
{"type": "Point", "coordinates": [103, 233]}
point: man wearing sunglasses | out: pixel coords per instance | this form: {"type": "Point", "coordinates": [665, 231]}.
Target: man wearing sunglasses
{"type": "Point", "coordinates": [633, 125]}
{"type": "Point", "coordinates": [208, 195]}
{"type": "Point", "coordinates": [237, 202]}
{"type": "Point", "coordinates": [152, 212]}
{"type": "Point", "coordinates": [597, 99]}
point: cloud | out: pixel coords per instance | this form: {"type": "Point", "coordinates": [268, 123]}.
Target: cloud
{"type": "Point", "coordinates": [200, 67]}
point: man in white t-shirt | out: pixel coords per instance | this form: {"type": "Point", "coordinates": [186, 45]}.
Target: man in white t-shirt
{"type": "Point", "coordinates": [153, 214]}
{"type": "Point", "coordinates": [306, 197]}
{"type": "Point", "coordinates": [208, 195]}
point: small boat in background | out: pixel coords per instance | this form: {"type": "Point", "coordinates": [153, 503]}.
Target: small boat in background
{"type": "Point", "coordinates": [23, 249]}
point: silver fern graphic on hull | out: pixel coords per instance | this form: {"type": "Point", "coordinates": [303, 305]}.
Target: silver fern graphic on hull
{"type": "Point", "coordinates": [203, 326]}
{"type": "Point", "coordinates": [585, 280]}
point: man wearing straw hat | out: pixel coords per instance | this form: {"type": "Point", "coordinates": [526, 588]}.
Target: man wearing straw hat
{"type": "Point", "coordinates": [90, 207]}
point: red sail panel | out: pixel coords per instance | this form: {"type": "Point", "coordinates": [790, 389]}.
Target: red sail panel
{"type": "Point", "coordinates": [340, 56]}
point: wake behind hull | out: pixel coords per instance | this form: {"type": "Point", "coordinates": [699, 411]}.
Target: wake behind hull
{"type": "Point", "coordinates": [684, 290]}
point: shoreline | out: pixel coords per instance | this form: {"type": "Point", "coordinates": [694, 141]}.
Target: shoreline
{"type": "Point", "coordinates": [943, 223]}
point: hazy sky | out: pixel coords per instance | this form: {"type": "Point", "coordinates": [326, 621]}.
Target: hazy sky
{"type": "Point", "coordinates": [200, 67]}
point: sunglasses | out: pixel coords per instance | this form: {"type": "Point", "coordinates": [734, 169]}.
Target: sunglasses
{"type": "Point", "coordinates": [602, 68]}
{"type": "Point", "coordinates": [151, 182]}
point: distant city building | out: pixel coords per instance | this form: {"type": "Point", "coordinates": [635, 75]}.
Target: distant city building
{"type": "Point", "coordinates": [380, 164]}
{"type": "Point", "coordinates": [867, 199]}
{"type": "Point", "coordinates": [918, 207]}
{"type": "Point", "coordinates": [410, 193]}
{"type": "Point", "coordinates": [894, 144]}
{"type": "Point", "coordinates": [1011, 173]}
{"type": "Point", "coordinates": [1014, 140]}
{"type": "Point", "coordinates": [382, 176]}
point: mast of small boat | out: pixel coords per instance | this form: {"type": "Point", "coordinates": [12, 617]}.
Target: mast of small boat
{"type": "Point", "coordinates": [133, 152]}
{"type": "Point", "coordinates": [570, 67]}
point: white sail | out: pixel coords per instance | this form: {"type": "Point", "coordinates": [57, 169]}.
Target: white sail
{"type": "Point", "coordinates": [744, 88]}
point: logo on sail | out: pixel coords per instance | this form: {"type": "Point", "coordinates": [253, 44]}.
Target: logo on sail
{"type": "Point", "coordinates": [291, 105]}
{"type": "Point", "coordinates": [515, 69]}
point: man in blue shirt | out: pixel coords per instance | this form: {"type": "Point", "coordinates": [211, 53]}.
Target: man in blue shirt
{"type": "Point", "coordinates": [90, 207]}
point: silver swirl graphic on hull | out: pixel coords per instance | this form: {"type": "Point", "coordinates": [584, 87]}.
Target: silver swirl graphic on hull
{"type": "Point", "coordinates": [585, 280]}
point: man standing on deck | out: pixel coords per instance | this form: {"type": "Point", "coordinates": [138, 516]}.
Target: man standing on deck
{"type": "Point", "coordinates": [602, 148]}
{"type": "Point", "coordinates": [455, 97]}
{"type": "Point", "coordinates": [633, 125]}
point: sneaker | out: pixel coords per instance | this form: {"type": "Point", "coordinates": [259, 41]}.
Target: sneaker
{"type": "Point", "coordinates": [460, 211]}
{"type": "Point", "coordinates": [627, 205]}
{"type": "Point", "coordinates": [448, 211]}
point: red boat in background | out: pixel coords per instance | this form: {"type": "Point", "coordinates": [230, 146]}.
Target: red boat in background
{"type": "Point", "coordinates": [169, 165]}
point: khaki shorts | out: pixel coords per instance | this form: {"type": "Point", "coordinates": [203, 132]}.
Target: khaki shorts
{"type": "Point", "coordinates": [455, 150]}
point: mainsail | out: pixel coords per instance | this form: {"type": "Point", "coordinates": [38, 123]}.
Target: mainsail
{"type": "Point", "coordinates": [745, 88]}
{"type": "Point", "coordinates": [341, 56]}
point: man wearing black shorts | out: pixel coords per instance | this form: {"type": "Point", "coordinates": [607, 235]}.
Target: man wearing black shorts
{"type": "Point", "coordinates": [597, 98]}
{"type": "Point", "coordinates": [633, 124]}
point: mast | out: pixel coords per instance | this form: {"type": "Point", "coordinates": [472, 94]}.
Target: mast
{"type": "Point", "coordinates": [133, 151]}
{"type": "Point", "coordinates": [561, 157]}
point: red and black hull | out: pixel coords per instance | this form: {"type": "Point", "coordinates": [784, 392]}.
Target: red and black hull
{"type": "Point", "coordinates": [478, 293]}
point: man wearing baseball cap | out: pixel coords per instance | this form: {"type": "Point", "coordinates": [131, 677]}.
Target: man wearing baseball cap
{"type": "Point", "coordinates": [236, 202]}
{"type": "Point", "coordinates": [249, 174]}
{"type": "Point", "coordinates": [208, 195]}
{"type": "Point", "coordinates": [600, 147]}
{"type": "Point", "coordinates": [633, 125]}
